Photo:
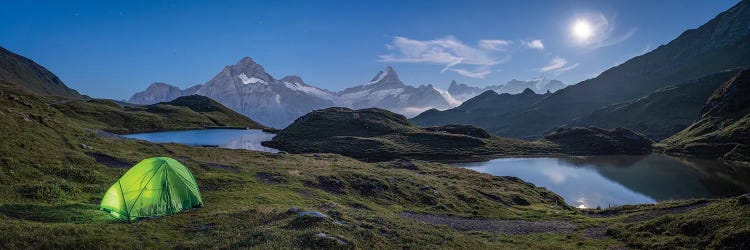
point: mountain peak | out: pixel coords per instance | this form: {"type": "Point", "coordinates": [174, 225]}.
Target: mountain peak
{"type": "Point", "coordinates": [292, 79]}
{"type": "Point", "coordinates": [528, 91]}
{"type": "Point", "coordinates": [246, 61]}
{"type": "Point", "coordinates": [386, 76]}
{"type": "Point", "coordinates": [248, 71]}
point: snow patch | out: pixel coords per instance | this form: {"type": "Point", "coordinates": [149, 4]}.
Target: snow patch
{"type": "Point", "coordinates": [248, 80]}
{"type": "Point", "coordinates": [447, 97]}
{"type": "Point", "coordinates": [381, 76]}
{"type": "Point", "coordinates": [309, 90]}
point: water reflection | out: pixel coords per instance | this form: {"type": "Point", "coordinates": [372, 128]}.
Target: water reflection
{"type": "Point", "coordinates": [617, 180]}
{"type": "Point", "coordinates": [249, 139]}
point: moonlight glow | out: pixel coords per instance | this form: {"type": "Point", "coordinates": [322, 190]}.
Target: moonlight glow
{"type": "Point", "coordinates": [582, 30]}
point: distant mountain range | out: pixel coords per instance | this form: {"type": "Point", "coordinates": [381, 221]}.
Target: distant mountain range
{"type": "Point", "coordinates": [720, 44]}
{"type": "Point", "coordinates": [541, 85]}
{"type": "Point", "coordinates": [246, 88]}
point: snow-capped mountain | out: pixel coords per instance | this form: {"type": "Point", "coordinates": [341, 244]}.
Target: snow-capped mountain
{"type": "Point", "coordinates": [246, 88]}
{"type": "Point", "coordinates": [386, 91]}
{"type": "Point", "coordinates": [541, 85]}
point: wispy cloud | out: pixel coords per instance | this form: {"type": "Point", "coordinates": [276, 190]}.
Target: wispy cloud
{"type": "Point", "coordinates": [535, 44]}
{"type": "Point", "coordinates": [450, 52]}
{"type": "Point", "coordinates": [603, 32]}
{"type": "Point", "coordinates": [479, 73]}
{"type": "Point", "coordinates": [557, 64]}
{"type": "Point", "coordinates": [499, 45]}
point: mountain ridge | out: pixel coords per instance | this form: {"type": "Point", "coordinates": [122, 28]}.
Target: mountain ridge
{"type": "Point", "coordinates": [721, 43]}
{"type": "Point", "coordinates": [24, 72]}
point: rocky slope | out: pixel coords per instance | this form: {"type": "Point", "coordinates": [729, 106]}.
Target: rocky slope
{"type": "Point", "coordinates": [662, 113]}
{"type": "Point", "coordinates": [723, 127]}
{"type": "Point", "coordinates": [721, 43]}
{"type": "Point", "coordinates": [21, 71]}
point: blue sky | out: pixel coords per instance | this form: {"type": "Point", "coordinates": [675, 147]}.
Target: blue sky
{"type": "Point", "coordinates": [112, 49]}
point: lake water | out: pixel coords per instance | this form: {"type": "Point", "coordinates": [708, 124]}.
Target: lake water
{"type": "Point", "coordinates": [225, 138]}
{"type": "Point", "coordinates": [588, 182]}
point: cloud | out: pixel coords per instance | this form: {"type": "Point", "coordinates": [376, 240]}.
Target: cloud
{"type": "Point", "coordinates": [567, 68]}
{"type": "Point", "coordinates": [499, 45]}
{"type": "Point", "coordinates": [481, 73]}
{"type": "Point", "coordinates": [557, 64]}
{"type": "Point", "coordinates": [535, 44]}
{"type": "Point", "coordinates": [450, 52]}
{"type": "Point", "coordinates": [603, 32]}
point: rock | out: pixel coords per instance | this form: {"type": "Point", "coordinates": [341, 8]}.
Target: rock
{"type": "Point", "coordinates": [312, 214]}
{"type": "Point", "coordinates": [328, 240]}
{"type": "Point", "coordinates": [307, 219]}
{"type": "Point", "coordinates": [744, 199]}
{"type": "Point", "coordinates": [293, 210]}
{"type": "Point", "coordinates": [86, 146]}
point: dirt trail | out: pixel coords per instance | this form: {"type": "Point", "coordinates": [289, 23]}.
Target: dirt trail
{"type": "Point", "coordinates": [552, 226]}
{"type": "Point", "coordinates": [495, 226]}
{"type": "Point", "coordinates": [600, 232]}
{"type": "Point", "coordinates": [659, 212]}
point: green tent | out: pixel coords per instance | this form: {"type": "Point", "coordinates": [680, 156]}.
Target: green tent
{"type": "Point", "coordinates": [153, 187]}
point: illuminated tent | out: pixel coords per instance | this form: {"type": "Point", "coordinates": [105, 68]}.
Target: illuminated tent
{"type": "Point", "coordinates": [153, 187]}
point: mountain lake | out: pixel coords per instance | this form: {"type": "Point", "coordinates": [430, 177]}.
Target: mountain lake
{"type": "Point", "coordinates": [249, 139]}
{"type": "Point", "coordinates": [603, 181]}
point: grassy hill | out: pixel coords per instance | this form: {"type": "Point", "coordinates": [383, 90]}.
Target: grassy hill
{"type": "Point", "coordinates": [663, 112]}
{"type": "Point", "coordinates": [376, 135]}
{"type": "Point", "coordinates": [187, 112]}
{"type": "Point", "coordinates": [19, 70]}
{"type": "Point", "coordinates": [723, 128]}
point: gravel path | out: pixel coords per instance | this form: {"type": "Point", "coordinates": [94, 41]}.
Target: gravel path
{"type": "Point", "coordinates": [495, 226]}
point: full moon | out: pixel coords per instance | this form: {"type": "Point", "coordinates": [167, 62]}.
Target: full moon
{"type": "Point", "coordinates": [582, 30]}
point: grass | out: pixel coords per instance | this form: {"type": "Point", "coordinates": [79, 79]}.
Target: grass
{"type": "Point", "coordinates": [50, 187]}
{"type": "Point", "coordinates": [722, 224]}
{"type": "Point", "coordinates": [722, 130]}
{"type": "Point", "coordinates": [187, 112]}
